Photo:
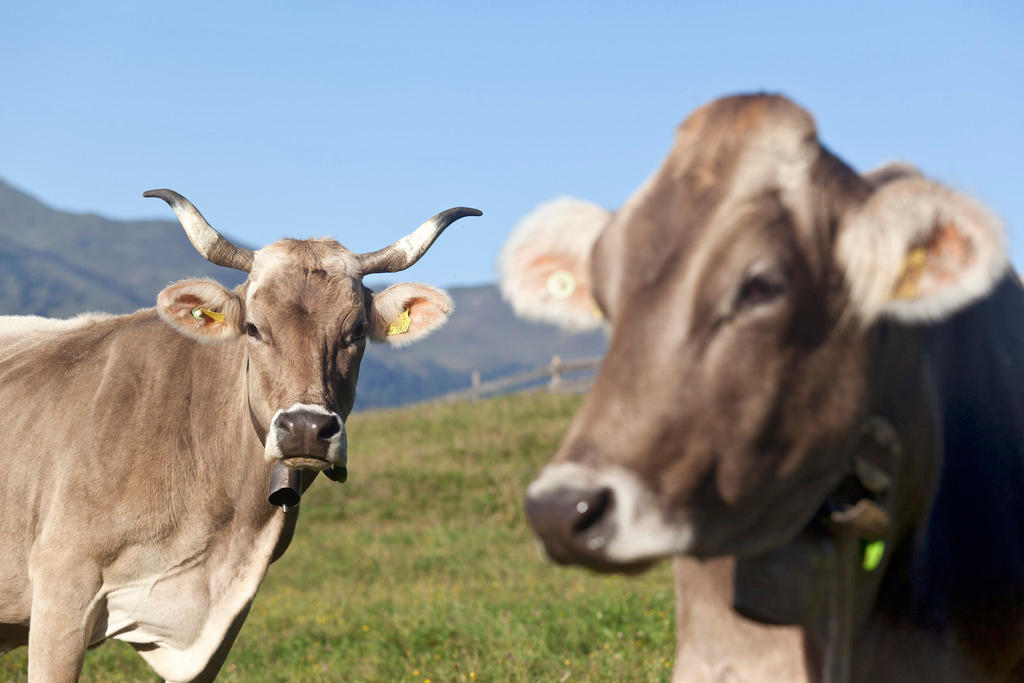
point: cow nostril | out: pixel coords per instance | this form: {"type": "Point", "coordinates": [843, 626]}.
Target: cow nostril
{"type": "Point", "coordinates": [283, 423]}
{"type": "Point", "coordinates": [330, 429]}
{"type": "Point", "coordinates": [591, 508]}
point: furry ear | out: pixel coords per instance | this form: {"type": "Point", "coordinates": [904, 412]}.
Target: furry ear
{"type": "Point", "coordinates": [890, 171]}
{"type": "Point", "coordinates": [202, 309]}
{"type": "Point", "coordinates": [407, 312]}
{"type": "Point", "coordinates": [919, 252]}
{"type": "Point", "coordinates": [545, 264]}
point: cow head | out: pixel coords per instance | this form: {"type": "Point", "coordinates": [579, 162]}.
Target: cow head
{"type": "Point", "coordinates": [304, 315]}
{"type": "Point", "coordinates": [742, 285]}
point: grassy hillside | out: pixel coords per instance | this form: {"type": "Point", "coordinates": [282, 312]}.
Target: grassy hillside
{"type": "Point", "coordinates": [422, 568]}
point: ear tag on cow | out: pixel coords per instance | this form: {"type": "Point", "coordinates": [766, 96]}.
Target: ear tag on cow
{"type": "Point", "coordinates": [872, 557]}
{"type": "Point", "coordinates": [561, 284]}
{"type": "Point", "coordinates": [198, 314]}
{"type": "Point", "coordinates": [910, 276]}
{"type": "Point", "coordinates": [400, 326]}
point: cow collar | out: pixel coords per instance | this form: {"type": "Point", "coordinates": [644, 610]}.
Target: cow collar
{"type": "Point", "coordinates": [860, 527]}
{"type": "Point", "coordinates": [856, 506]}
{"type": "Point", "coordinates": [820, 579]}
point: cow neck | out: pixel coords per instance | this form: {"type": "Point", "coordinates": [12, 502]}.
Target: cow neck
{"type": "Point", "coordinates": [836, 589]}
{"type": "Point", "coordinates": [243, 439]}
{"type": "Point", "coordinates": [261, 431]}
{"type": "Point", "coordinates": [898, 402]}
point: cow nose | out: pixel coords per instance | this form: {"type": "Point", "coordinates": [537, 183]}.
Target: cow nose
{"type": "Point", "coordinates": [572, 522]}
{"type": "Point", "coordinates": [306, 433]}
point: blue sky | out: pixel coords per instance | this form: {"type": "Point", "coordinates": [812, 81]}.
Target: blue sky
{"type": "Point", "coordinates": [361, 120]}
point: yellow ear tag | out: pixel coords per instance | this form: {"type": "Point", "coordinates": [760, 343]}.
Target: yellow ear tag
{"type": "Point", "coordinates": [910, 276]}
{"type": "Point", "coordinates": [400, 326]}
{"type": "Point", "coordinates": [198, 314]}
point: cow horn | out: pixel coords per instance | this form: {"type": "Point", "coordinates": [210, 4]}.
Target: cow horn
{"type": "Point", "coordinates": [207, 241]}
{"type": "Point", "coordinates": [410, 248]}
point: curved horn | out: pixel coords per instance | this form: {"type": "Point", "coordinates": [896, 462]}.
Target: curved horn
{"type": "Point", "coordinates": [207, 241]}
{"type": "Point", "coordinates": [410, 248]}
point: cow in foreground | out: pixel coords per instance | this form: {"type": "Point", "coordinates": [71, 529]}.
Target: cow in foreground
{"type": "Point", "coordinates": [136, 451]}
{"type": "Point", "coordinates": [545, 277]}
{"type": "Point", "coordinates": [816, 372]}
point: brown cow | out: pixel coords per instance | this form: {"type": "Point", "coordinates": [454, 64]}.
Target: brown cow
{"type": "Point", "coordinates": [544, 276]}
{"type": "Point", "coordinates": [136, 451]}
{"type": "Point", "coordinates": [817, 372]}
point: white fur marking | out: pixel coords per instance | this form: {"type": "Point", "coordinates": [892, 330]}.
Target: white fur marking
{"type": "Point", "coordinates": [337, 449]}
{"type": "Point", "coordinates": [16, 325]}
{"type": "Point", "coordinates": [640, 529]}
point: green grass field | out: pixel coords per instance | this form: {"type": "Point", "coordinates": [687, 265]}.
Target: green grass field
{"type": "Point", "coordinates": [422, 568]}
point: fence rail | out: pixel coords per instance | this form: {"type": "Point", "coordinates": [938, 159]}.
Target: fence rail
{"type": "Point", "coordinates": [555, 372]}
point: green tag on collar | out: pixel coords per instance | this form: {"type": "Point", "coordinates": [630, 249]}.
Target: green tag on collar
{"type": "Point", "coordinates": [872, 557]}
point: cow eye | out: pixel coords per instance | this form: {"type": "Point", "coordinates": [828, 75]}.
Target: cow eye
{"type": "Point", "coordinates": [761, 288]}
{"type": "Point", "coordinates": [356, 332]}
{"type": "Point", "coordinates": [252, 331]}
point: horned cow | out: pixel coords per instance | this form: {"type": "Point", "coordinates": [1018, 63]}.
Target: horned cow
{"type": "Point", "coordinates": [137, 451]}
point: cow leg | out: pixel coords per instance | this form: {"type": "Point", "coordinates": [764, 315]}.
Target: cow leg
{"type": "Point", "coordinates": [64, 600]}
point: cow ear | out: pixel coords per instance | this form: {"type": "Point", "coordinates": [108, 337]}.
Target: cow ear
{"type": "Point", "coordinates": [545, 264]}
{"type": "Point", "coordinates": [407, 312]}
{"type": "Point", "coordinates": [890, 171]}
{"type": "Point", "coordinates": [919, 252]}
{"type": "Point", "coordinates": [202, 309]}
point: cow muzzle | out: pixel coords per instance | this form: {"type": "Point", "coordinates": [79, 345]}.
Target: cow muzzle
{"type": "Point", "coordinates": [307, 437]}
{"type": "Point", "coordinates": [573, 524]}
{"type": "Point", "coordinates": [603, 519]}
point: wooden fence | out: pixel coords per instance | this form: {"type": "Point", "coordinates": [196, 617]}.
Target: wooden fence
{"type": "Point", "coordinates": [561, 375]}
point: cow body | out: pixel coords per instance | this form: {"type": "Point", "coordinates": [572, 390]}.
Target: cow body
{"type": "Point", "coordinates": [957, 586]}
{"type": "Point", "coordinates": [948, 604]}
{"type": "Point", "coordinates": [163, 551]}
{"type": "Point", "coordinates": [136, 451]}
{"type": "Point", "coordinates": [804, 363]}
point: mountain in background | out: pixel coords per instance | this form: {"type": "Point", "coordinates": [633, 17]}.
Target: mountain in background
{"type": "Point", "coordinates": [483, 334]}
{"type": "Point", "coordinates": [58, 264]}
